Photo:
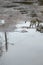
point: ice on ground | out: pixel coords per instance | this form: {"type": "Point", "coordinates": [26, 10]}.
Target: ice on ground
{"type": "Point", "coordinates": [27, 48]}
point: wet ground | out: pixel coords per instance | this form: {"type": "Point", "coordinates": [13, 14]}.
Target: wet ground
{"type": "Point", "coordinates": [13, 13]}
{"type": "Point", "coordinates": [23, 48]}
